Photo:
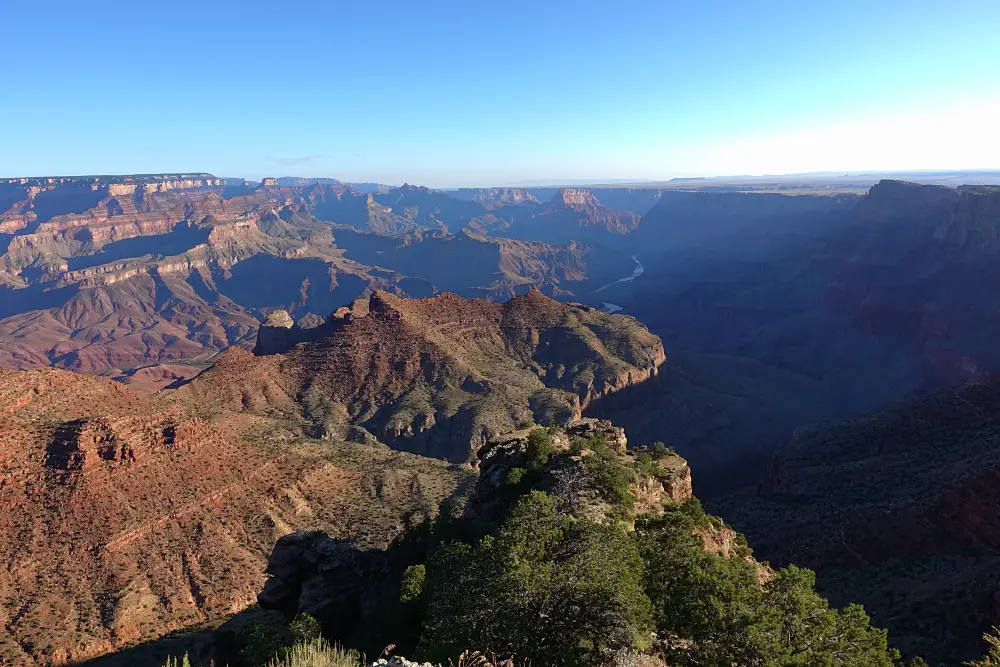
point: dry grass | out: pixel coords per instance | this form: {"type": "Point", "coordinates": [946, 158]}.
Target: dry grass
{"type": "Point", "coordinates": [317, 653]}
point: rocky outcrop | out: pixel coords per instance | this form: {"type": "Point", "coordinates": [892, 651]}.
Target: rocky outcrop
{"type": "Point", "coordinates": [583, 208]}
{"type": "Point", "coordinates": [503, 195]}
{"type": "Point", "coordinates": [568, 478]}
{"type": "Point", "coordinates": [589, 427]}
{"type": "Point", "coordinates": [672, 484]}
{"type": "Point", "coordinates": [891, 200]}
{"type": "Point", "coordinates": [276, 333]}
{"type": "Point", "coordinates": [529, 359]}
{"type": "Point", "coordinates": [315, 574]}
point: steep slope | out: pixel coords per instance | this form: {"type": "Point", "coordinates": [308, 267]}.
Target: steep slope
{"type": "Point", "coordinates": [439, 376]}
{"type": "Point", "coordinates": [917, 272]}
{"type": "Point", "coordinates": [899, 511]}
{"type": "Point", "coordinates": [127, 516]}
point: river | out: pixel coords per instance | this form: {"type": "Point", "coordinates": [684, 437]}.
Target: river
{"type": "Point", "coordinates": [636, 272]}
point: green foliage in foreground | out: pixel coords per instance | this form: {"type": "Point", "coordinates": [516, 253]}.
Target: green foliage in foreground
{"type": "Point", "coordinates": [562, 591]}
{"type": "Point", "coordinates": [725, 616]}
{"type": "Point", "coordinates": [545, 587]}
{"type": "Point", "coordinates": [304, 629]}
{"type": "Point", "coordinates": [556, 590]}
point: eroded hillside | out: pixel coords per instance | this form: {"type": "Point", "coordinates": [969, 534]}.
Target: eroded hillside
{"type": "Point", "coordinates": [897, 510]}
{"type": "Point", "coordinates": [439, 376]}
{"type": "Point", "coordinates": [127, 516]}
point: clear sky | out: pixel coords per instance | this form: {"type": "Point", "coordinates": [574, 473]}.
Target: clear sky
{"type": "Point", "coordinates": [468, 92]}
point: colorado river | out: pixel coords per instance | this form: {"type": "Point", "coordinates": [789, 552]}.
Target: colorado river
{"type": "Point", "coordinates": [638, 271]}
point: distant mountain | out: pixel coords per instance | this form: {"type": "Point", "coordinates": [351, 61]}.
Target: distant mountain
{"type": "Point", "coordinates": [634, 200]}
{"type": "Point", "coordinates": [570, 215]}
{"type": "Point", "coordinates": [373, 188]}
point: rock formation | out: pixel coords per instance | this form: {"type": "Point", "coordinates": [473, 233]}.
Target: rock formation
{"type": "Point", "coordinates": [440, 376]}
{"type": "Point", "coordinates": [160, 508]}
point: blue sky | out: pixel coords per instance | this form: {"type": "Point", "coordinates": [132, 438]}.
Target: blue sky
{"type": "Point", "coordinates": [475, 93]}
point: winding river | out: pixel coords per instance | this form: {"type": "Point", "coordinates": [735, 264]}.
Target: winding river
{"type": "Point", "coordinates": [636, 272]}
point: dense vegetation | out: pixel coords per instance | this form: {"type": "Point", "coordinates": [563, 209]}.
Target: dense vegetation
{"type": "Point", "coordinates": [547, 585]}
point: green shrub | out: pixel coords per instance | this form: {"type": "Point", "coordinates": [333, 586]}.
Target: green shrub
{"type": "Point", "coordinates": [644, 463]}
{"type": "Point", "coordinates": [659, 450]}
{"type": "Point", "coordinates": [612, 477]}
{"type": "Point", "coordinates": [540, 448]}
{"type": "Point", "coordinates": [596, 443]}
{"type": "Point", "coordinates": [731, 618]}
{"type": "Point", "coordinates": [515, 476]}
{"type": "Point", "coordinates": [412, 585]}
{"type": "Point", "coordinates": [546, 588]}
{"type": "Point", "coordinates": [304, 628]}
{"type": "Point", "coordinates": [259, 644]}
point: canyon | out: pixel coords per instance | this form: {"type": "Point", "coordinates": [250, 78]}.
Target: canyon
{"type": "Point", "coordinates": [131, 514]}
{"type": "Point", "coordinates": [264, 335]}
{"type": "Point", "coordinates": [148, 278]}
{"type": "Point", "coordinates": [777, 310]}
